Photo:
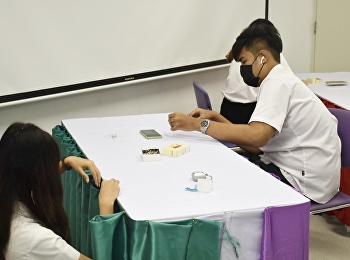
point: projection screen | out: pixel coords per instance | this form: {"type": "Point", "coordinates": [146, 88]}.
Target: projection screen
{"type": "Point", "coordinates": [52, 47]}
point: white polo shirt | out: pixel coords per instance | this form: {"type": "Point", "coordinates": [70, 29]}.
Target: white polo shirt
{"type": "Point", "coordinates": [306, 146]}
{"type": "Point", "coordinates": [236, 89]}
{"type": "Point", "coordinates": [30, 240]}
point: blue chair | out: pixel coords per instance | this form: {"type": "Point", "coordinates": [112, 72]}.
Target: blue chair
{"type": "Point", "coordinates": [340, 200]}
{"type": "Point", "coordinates": [203, 101]}
{"type": "Point", "coordinates": [202, 97]}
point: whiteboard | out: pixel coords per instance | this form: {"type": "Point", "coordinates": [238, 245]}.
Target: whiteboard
{"type": "Point", "coordinates": [48, 47]}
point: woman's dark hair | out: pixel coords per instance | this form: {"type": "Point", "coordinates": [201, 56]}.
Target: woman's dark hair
{"type": "Point", "coordinates": [29, 173]}
{"type": "Point", "coordinates": [262, 23]}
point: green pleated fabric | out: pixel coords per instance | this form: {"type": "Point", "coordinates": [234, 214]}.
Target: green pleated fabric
{"type": "Point", "coordinates": [80, 199]}
{"type": "Point", "coordinates": [109, 236]}
{"type": "Point", "coordinates": [116, 236]}
{"type": "Point", "coordinates": [209, 247]}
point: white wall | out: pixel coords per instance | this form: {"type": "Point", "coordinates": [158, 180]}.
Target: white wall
{"type": "Point", "coordinates": [295, 21]}
{"type": "Point", "coordinates": [162, 95]}
{"type": "Point", "coordinates": [293, 18]}
{"type": "Point", "coordinates": [332, 39]}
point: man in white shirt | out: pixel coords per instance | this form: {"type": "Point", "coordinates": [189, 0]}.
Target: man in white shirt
{"type": "Point", "coordinates": [290, 125]}
{"type": "Point", "coordinates": [239, 98]}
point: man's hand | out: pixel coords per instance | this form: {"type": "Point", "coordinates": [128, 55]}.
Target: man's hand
{"type": "Point", "coordinates": [208, 114]}
{"type": "Point", "coordinates": [179, 121]}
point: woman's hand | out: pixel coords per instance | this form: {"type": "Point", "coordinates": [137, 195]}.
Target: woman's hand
{"type": "Point", "coordinates": [81, 164]}
{"type": "Point", "coordinates": [108, 194]}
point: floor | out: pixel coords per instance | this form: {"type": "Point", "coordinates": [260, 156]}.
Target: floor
{"type": "Point", "coordinates": [328, 239]}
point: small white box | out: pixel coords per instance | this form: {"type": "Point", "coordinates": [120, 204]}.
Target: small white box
{"type": "Point", "coordinates": [176, 150]}
{"type": "Point", "coordinates": [204, 185]}
{"type": "Point", "coordinates": [151, 154]}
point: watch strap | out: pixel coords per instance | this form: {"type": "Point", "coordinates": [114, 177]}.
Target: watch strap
{"type": "Point", "coordinates": [65, 166]}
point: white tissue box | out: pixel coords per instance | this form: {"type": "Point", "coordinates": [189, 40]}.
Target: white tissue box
{"type": "Point", "coordinates": [151, 154]}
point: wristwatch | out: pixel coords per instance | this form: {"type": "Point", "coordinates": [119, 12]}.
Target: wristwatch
{"type": "Point", "coordinates": [204, 125]}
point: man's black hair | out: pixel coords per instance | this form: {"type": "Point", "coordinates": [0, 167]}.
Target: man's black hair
{"type": "Point", "coordinates": [261, 21]}
{"type": "Point", "coordinates": [256, 38]}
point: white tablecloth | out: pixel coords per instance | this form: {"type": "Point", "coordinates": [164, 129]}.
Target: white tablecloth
{"type": "Point", "coordinates": [338, 95]}
{"type": "Point", "coordinates": [156, 190]}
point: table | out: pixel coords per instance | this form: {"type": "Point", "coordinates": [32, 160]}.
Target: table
{"type": "Point", "coordinates": [244, 207]}
{"type": "Point", "coordinates": [339, 95]}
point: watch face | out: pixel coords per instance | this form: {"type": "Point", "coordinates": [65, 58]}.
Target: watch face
{"type": "Point", "coordinates": [204, 123]}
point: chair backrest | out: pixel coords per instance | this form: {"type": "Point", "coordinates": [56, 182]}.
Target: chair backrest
{"type": "Point", "coordinates": [202, 97]}
{"type": "Point", "coordinates": [343, 117]}
{"type": "Point", "coordinates": [203, 101]}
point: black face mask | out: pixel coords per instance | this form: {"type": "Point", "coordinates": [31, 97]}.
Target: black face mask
{"type": "Point", "coordinates": [248, 76]}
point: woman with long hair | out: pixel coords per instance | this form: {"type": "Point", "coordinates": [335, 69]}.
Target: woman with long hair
{"type": "Point", "coordinates": [34, 224]}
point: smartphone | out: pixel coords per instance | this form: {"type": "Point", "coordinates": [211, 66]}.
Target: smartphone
{"type": "Point", "coordinates": [336, 83]}
{"type": "Point", "coordinates": [150, 134]}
